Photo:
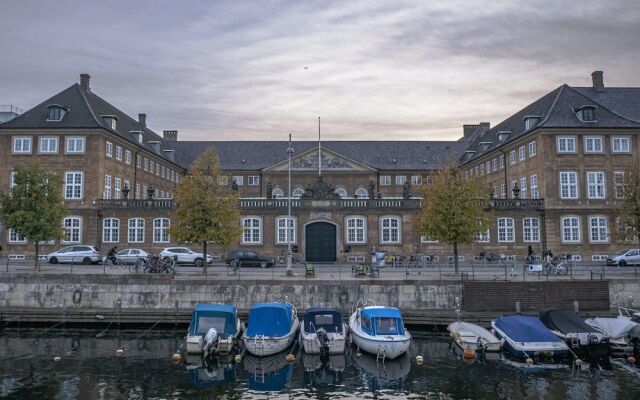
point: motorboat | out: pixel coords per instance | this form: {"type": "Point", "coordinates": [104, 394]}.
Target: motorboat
{"type": "Point", "coordinates": [272, 328]}
{"type": "Point", "coordinates": [214, 329]}
{"type": "Point", "coordinates": [323, 331]}
{"type": "Point", "coordinates": [618, 330]}
{"type": "Point", "coordinates": [527, 337]}
{"type": "Point", "coordinates": [471, 336]}
{"type": "Point", "coordinates": [379, 330]}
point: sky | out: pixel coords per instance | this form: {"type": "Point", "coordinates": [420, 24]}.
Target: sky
{"type": "Point", "coordinates": [259, 70]}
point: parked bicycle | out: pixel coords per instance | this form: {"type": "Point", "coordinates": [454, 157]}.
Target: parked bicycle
{"type": "Point", "coordinates": [556, 267]}
{"type": "Point", "coordinates": [154, 264]}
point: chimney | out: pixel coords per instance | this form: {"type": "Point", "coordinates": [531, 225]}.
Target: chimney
{"type": "Point", "coordinates": [484, 127]}
{"type": "Point", "coordinates": [85, 79]}
{"type": "Point", "coordinates": [170, 136]}
{"type": "Point", "coordinates": [468, 130]}
{"type": "Point", "coordinates": [598, 81]}
{"type": "Point", "coordinates": [155, 145]}
{"type": "Point", "coordinates": [142, 119]}
{"type": "Point", "coordinates": [170, 154]}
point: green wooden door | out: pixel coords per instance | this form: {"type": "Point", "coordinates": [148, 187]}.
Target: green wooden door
{"type": "Point", "coordinates": [320, 242]}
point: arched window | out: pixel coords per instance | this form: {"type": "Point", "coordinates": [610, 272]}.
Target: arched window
{"type": "Point", "coordinates": [570, 229]}
{"type": "Point", "coordinates": [111, 230]}
{"type": "Point", "coordinates": [252, 230]}
{"type": "Point", "coordinates": [362, 193]}
{"type": "Point", "coordinates": [599, 232]}
{"type": "Point", "coordinates": [56, 113]}
{"type": "Point", "coordinates": [72, 230]}
{"type": "Point", "coordinates": [356, 230]}
{"type": "Point", "coordinates": [390, 230]}
{"type": "Point", "coordinates": [284, 235]}
{"type": "Point", "coordinates": [342, 192]}
{"type": "Point", "coordinates": [160, 227]}
{"type": "Point", "coordinates": [297, 193]}
{"type": "Point", "coordinates": [136, 230]}
{"type": "Point", "coordinates": [277, 193]}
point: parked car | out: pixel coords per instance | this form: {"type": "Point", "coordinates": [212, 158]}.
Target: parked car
{"type": "Point", "coordinates": [128, 256]}
{"type": "Point", "coordinates": [185, 256]}
{"type": "Point", "coordinates": [625, 257]}
{"type": "Point", "coordinates": [248, 259]}
{"type": "Point", "coordinates": [75, 254]}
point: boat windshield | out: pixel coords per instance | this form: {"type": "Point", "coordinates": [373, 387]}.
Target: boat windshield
{"type": "Point", "coordinates": [205, 323]}
{"type": "Point", "coordinates": [386, 326]}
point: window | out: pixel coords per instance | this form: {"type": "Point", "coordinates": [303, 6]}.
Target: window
{"type": "Point", "coordinates": [532, 149]}
{"type": "Point", "coordinates": [15, 237]}
{"type": "Point", "coordinates": [253, 180]}
{"type": "Point", "coordinates": [390, 230]}
{"type": "Point", "coordinates": [127, 185]}
{"type": "Point", "coordinates": [400, 180]}
{"type": "Point", "coordinates": [531, 230]}
{"type": "Point", "coordinates": [523, 188]}
{"type": "Point", "coordinates": [12, 180]}
{"type": "Point", "coordinates": [223, 180]}
{"type": "Point", "coordinates": [568, 185]}
{"type": "Point", "coordinates": [483, 237]}
{"type": "Point", "coordinates": [146, 164]}
{"type": "Point", "coordinates": [501, 161]}
{"type": "Point", "coordinates": [277, 193]}
{"type": "Point", "coordinates": [73, 185]}
{"type": "Point", "coordinates": [362, 193]}
{"type": "Point", "coordinates": [118, 153]}
{"type": "Point", "coordinates": [598, 230]}
{"type": "Point", "coordinates": [416, 180]}
{"type": "Point", "coordinates": [72, 230]}
{"type": "Point", "coordinates": [587, 114]}
{"type": "Point", "coordinates": [342, 192]}
{"type": "Point", "coordinates": [506, 230]}
{"type": "Point", "coordinates": [111, 121]}
{"type": "Point", "coordinates": [160, 230]}
{"type": "Point", "coordinates": [385, 180]}
{"type": "Point", "coordinates": [152, 166]}
{"type": "Point", "coordinates": [137, 194]}
{"type": "Point", "coordinates": [356, 231]}
{"type": "Point", "coordinates": [56, 114]}
{"type": "Point", "coordinates": [138, 161]}
{"type": "Point", "coordinates": [117, 188]}
{"type": "Point", "coordinates": [238, 179]}
{"type": "Point", "coordinates": [111, 230]}
{"type": "Point", "coordinates": [513, 186]}
{"type": "Point", "coordinates": [522, 153]}
{"type": "Point", "coordinates": [136, 230]}
{"type": "Point", "coordinates": [593, 144]}
{"type": "Point", "coordinates": [107, 187]}
{"type": "Point", "coordinates": [48, 145]}
{"type": "Point", "coordinates": [22, 145]}
{"type": "Point", "coordinates": [74, 145]}
{"type": "Point", "coordinates": [618, 144]}
{"type": "Point", "coordinates": [252, 233]}
{"type": "Point", "coordinates": [487, 166]}
{"type": "Point", "coordinates": [494, 164]}
{"type": "Point", "coordinates": [570, 229]}
{"type": "Point", "coordinates": [566, 144]}
{"type": "Point", "coordinates": [297, 193]}
{"type": "Point", "coordinates": [503, 191]}
{"type": "Point", "coordinates": [512, 156]}
{"type": "Point", "coordinates": [481, 169]}
{"type": "Point", "coordinates": [109, 149]}
{"type": "Point", "coordinates": [157, 169]}
{"type": "Point", "coordinates": [533, 181]}
{"type": "Point", "coordinates": [285, 230]}
{"type": "Point", "coordinates": [595, 185]}
{"type": "Point", "coordinates": [127, 157]}
{"type": "Point", "coordinates": [530, 122]}
{"type": "Point", "coordinates": [618, 182]}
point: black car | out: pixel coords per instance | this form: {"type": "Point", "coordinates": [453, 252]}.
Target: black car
{"type": "Point", "coordinates": [245, 258]}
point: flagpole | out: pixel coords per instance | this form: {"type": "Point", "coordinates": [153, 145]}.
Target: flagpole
{"type": "Point", "coordinates": [288, 225]}
{"type": "Point", "coordinates": [319, 151]}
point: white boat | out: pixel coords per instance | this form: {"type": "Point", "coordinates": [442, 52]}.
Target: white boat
{"type": "Point", "coordinates": [214, 329]}
{"type": "Point", "coordinates": [323, 332]}
{"type": "Point", "coordinates": [617, 329]}
{"type": "Point", "coordinates": [470, 336]}
{"type": "Point", "coordinates": [272, 328]}
{"type": "Point", "coordinates": [380, 331]}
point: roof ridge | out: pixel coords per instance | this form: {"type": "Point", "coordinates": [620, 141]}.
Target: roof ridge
{"type": "Point", "coordinates": [553, 105]}
{"type": "Point", "coordinates": [86, 102]}
{"type": "Point", "coordinates": [604, 107]}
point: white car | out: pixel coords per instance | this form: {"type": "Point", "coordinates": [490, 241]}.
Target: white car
{"type": "Point", "coordinates": [75, 254]}
{"type": "Point", "coordinates": [128, 256]}
{"type": "Point", "coordinates": [185, 256]}
{"type": "Point", "coordinates": [625, 257]}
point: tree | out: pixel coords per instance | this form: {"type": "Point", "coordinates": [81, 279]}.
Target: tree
{"type": "Point", "coordinates": [206, 211]}
{"type": "Point", "coordinates": [453, 209]}
{"type": "Point", "coordinates": [628, 207]}
{"type": "Point", "coordinates": [34, 207]}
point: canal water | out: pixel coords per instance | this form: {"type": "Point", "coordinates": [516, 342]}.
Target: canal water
{"type": "Point", "coordinates": [89, 368]}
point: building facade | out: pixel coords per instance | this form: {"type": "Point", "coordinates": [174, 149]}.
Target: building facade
{"type": "Point", "coordinates": [555, 168]}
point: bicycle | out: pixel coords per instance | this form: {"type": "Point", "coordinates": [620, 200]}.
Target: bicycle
{"type": "Point", "coordinates": [556, 267]}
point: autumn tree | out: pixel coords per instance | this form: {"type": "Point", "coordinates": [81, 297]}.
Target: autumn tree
{"type": "Point", "coordinates": [453, 209]}
{"type": "Point", "coordinates": [627, 188]}
{"type": "Point", "coordinates": [34, 206]}
{"type": "Point", "coordinates": [206, 211]}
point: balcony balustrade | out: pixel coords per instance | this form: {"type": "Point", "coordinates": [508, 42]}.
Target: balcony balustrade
{"type": "Point", "coordinates": [137, 204]}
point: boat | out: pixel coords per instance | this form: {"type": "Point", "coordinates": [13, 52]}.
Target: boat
{"type": "Point", "coordinates": [527, 337]}
{"type": "Point", "coordinates": [323, 331]}
{"type": "Point", "coordinates": [272, 328]}
{"type": "Point", "coordinates": [379, 330]}
{"type": "Point", "coordinates": [214, 329]}
{"type": "Point", "coordinates": [584, 340]}
{"type": "Point", "coordinates": [618, 330]}
{"type": "Point", "coordinates": [471, 336]}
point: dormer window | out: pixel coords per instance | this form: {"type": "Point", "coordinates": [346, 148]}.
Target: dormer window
{"type": "Point", "coordinates": [503, 135]}
{"type": "Point", "coordinates": [485, 145]}
{"type": "Point", "coordinates": [56, 113]}
{"type": "Point", "coordinates": [469, 154]}
{"type": "Point", "coordinates": [586, 113]}
{"type": "Point", "coordinates": [111, 121]}
{"type": "Point", "coordinates": [530, 122]}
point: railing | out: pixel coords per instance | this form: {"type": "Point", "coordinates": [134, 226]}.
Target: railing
{"type": "Point", "coordinates": [137, 204]}
{"type": "Point", "coordinates": [507, 204]}
{"type": "Point", "coordinates": [10, 108]}
{"type": "Point", "coordinates": [336, 204]}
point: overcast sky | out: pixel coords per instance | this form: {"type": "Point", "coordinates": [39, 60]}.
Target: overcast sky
{"type": "Point", "coordinates": [218, 70]}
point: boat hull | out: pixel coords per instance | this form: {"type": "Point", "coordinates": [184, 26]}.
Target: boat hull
{"type": "Point", "coordinates": [388, 346]}
{"type": "Point", "coordinates": [265, 345]}
{"type": "Point", "coordinates": [311, 344]}
{"type": "Point", "coordinates": [488, 341]}
{"type": "Point", "coordinates": [531, 349]}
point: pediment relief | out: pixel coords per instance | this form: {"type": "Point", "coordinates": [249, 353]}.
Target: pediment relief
{"type": "Point", "coordinates": [331, 161]}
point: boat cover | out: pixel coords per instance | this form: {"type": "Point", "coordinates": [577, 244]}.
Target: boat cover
{"type": "Point", "coordinates": [520, 328]}
{"type": "Point", "coordinates": [222, 317]}
{"type": "Point", "coordinates": [565, 321]}
{"type": "Point", "coordinates": [615, 327]}
{"type": "Point", "coordinates": [634, 333]}
{"type": "Point", "coordinates": [323, 317]}
{"type": "Point", "coordinates": [382, 321]}
{"type": "Point", "coordinates": [270, 319]}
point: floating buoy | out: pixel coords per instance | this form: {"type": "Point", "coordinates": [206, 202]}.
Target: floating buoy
{"type": "Point", "coordinates": [57, 358]}
{"type": "Point", "coordinates": [237, 358]}
{"type": "Point", "coordinates": [529, 360]}
{"type": "Point", "coordinates": [419, 360]}
{"type": "Point", "coordinates": [469, 353]}
{"type": "Point", "coordinates": [290, 358]}
{"type": "Point", "coordinates": [631, 359]}
{"type": "Point", "coordinates": [578, 361]}
{"type": "Point", "coordinates": [176, 357]}
{"type": "Point", "coordinates": [120, 352]}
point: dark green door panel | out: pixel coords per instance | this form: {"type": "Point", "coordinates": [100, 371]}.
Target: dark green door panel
{"type": "Point", "coordinates": [320, 242]}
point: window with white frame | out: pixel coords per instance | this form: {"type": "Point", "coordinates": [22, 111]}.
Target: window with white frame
{"type": "Point", "coordinates": [416, 180]}
{"type": "Point", "coordinates": [138, 161]}
{"type": "Point", "coordinates": [111, 230]}
{"type": "Point", "coordinates": [73, 185]}
{"type": "Point", "coordinates": [161, 230]}
{"type": "Point", "coordinates": [22, 145]}
{"type": "Point", "coordinates": [362, 193]}
{"type": "Point", "coordinates": [503, 191]}
{"type": "Point", "coordinates": [522, 153]}
{"type": "Point", "coordinates": [15, 237]}
{"type": "Point", "coordinates": [109, 149]}
{"type": "Point", "coordinates": [532, 149]}
{"type": "Point", "coordinates": [599, 231]}
{"type": "Point", "coordinates": [253, 180]}
{"type": "Point", "coordinates": [157, 169]}
{"type": "Point", "coordinates": [593, 144]}
{"type": "Point", "coordinates": [252, 233]}
{"type": "Point", "coordinates": [223, 180]}
{"type": "Point", "coordinates": [400, 180]}
{"type": "Point", "coordinates": [390, 230]}
{"type": "Point", "coordinates": [56, 113]}
{"type": "Point", "coordinates": [285, 230]}
{"type": "Point", "coordinates": [146, 164]}
{"type": "Point", "coordinates": [342, 192]}
{"type": "Point", "coordinates": [570, 229]}
{"type": "Point", "coordinates": [487, 166]}
{"type": "Point", "coordinates": [523, 188]}
{"type": "Point", "coordinates": [48, 145]}
{"type": "Point", "coordinates": [483, 236]}
{"type": "Point", "coordinates": [618, 182]}
{"type": "Point", "coordinates": [72, 230]}
{"type": "Point", "coordinates": [74, 144]}
{"type": "Point", "coordinates": [118, 153]}
{"type": "Point", "coordinates": [595, 185]}
{"type": "Point", "coordinates": [356, 230]}
{"type": "Point", "coordinates": [117, 187]}
{"type": "Point", "coordinates": [512, 156]}
{"type": "Point", "coordinates": [494, 164]}
{"type": "Point", "coordinates": [531, 230]}
{"type": "Point", "coordinates": [620, 144]}
{"type": "Point", "coordinates": [514, 183]}
{"type": "Point", "coordinates": [239, 180]}
{"type": "Point", "coordinates": [107, 187]}
{"type": "Point", "coordinates": [501, 161]}
{"type": "Point", "coordinates": [566, 144]}
{"type": "Point", "coordinates": [506, 230]}
{"type": "Point", "coordinates": [12, 179]}
{"type": "Point", "coordinates": [385, 180]}
{"type": "Point", "coordinates": [533, 181]}
{"type": "Point", "coordinates": [136, 230]}
{"type": "Point", "coordinates": [481, 169]}
{"type": "Point", "coordinates": [127, 156]}
{"type": "Point", "coordinates": [568, 185]}
{"type": "Point", "coordinates": [277, 193]}
{"type": "Point", "coordinates": [137, 193]}
{"type": "Point", "coordinates": [297, 193]}
{"type": "Point", "coordinates": [152, 166]}
{"type": "Point", "coordinates": [144, 191]}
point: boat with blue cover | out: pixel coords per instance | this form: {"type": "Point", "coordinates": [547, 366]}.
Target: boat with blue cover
{"type": "Point", "coordinates": [379, 330]}
{"type": "Point", "coordinates": [272, 328]}
{"type": "Point", "coordinates": [323, 331]}
{"type": "Point", "coordinates": [214, 329]}
{"type": "Point", "coordinates": [527, 337]}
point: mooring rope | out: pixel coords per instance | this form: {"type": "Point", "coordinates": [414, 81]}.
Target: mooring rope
{"type": "Point", "coordinates": [141, 335]}
{"type": "Point", "coordinates": [49, 328]}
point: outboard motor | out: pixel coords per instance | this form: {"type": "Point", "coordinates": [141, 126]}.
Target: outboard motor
{"type": "Point", "coordinates": [324, 342]}
{"type": "Point", "coordinates": [210, 341]}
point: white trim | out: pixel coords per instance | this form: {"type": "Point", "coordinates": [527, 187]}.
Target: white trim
{"type": "Point", "coordinates": [79, 228]}
{"type": "Point", "coordinates": [347, 228]}
{"type": "Point", "coordinates": [531, 228]}
{"type": "Point", "coordinates": [57, 141]}
{"type": "Point", "coordinates": [14, 139]}
{"type": "Point", "coordinates": [593, 137]}
{"type": "Point", "coordinates": [562, 228]}
{"type": "Point", "coordinates": [382, 229]}
{"type": "Point", "coordinates": [136, 228]}
{"type": "Point", "coordinates": [75, 140]}
{"type": "Point", "coordinates": [507, 228]}
{"type": "Point", "coordinates": [293, 240]}
{"type": "Point", "coordinates": [613, 139]}
{"type": "Point", "coordinates": [569, 184]}
{"type": "Point", "coordinates": [566, 138]}
{"type": "Point", "coordinates": [73, 197]}
{"type": "Point", "coordinates": [112, 230]}
{"type": "Point", "coordinates": [259, 228]}
{"type": "Point", "coordinates": [606, 227]}
{"type": "Point", "coordinates": [162, 230]}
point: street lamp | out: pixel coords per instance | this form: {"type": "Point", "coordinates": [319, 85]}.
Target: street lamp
{"type": "Point", "coordinates": [289, 269]}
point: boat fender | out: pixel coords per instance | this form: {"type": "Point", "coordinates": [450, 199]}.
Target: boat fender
{"type": "Point", "coordinates": [529, 360]}
{"type": "Point", "coordinates": [176, 357]}
{"type": "Point", "coordinates": [120, 352]}
{"type": "Point", "coordinates": [237, 358]}
{"type": "Point", "coordinates": [578, 361]}
{"type": "Point", "coordinates": [469, 353]}
{"type": "Point", "coordinates": [57, 358]}
{"type": "Point", "coordinates": [631, 360]}
{"type": "Point", "coordinates": [419, 360]}
{"type": "Point", "coordinates": [77, 296]}
{"type": "Point", "coordinates": [290, 358]}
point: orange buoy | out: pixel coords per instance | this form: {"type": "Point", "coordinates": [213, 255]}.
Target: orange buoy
{"type": "Point", "coordinates": [176, 357]}
{"type": "Point", "coordinates": [631, 359]}
{"type": "Point", "coordinates": [469, 353]}
{"type": "Point", "coordinates": [290, 358]}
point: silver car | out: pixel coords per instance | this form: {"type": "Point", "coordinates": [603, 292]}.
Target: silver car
{"type": "Point", "coordinates": [185, 256]}
{"type": "Point", "coordinates": [128, 256]}
{"type": "Point", "coordinates": [75, 254]}
{"type": "Point", "coordinates": [625, 257]}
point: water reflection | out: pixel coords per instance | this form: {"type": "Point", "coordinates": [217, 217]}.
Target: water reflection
{"type": "Point", "coordinates": [207, 373]}
{"type": "Point", "coordinates": [376, 374]}
{"type": "Point", "coordinates": [322, 371]}
{"type": "Point", "coordinates": [270, 373]}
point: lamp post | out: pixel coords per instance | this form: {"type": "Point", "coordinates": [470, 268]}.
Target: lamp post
{"type": "Point", "coordinates": [289, 269]}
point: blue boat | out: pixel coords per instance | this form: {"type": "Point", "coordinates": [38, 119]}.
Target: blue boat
{"type": "Point", "coordinates": [214, 329]}
{"type": "Point", "coordinates": [527, 337]}
{"type": "Point", "coordinates": [272, 328]}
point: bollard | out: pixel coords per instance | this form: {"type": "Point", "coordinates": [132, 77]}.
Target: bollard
{"type": "Point", "coordinates": [517, 307]}
{"type": "Point", "coordinates": [602, 273]}
{"type": "Point", "coordinates": [505, 271]}
{"type": "Point", "coordinates": [576, 306]}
